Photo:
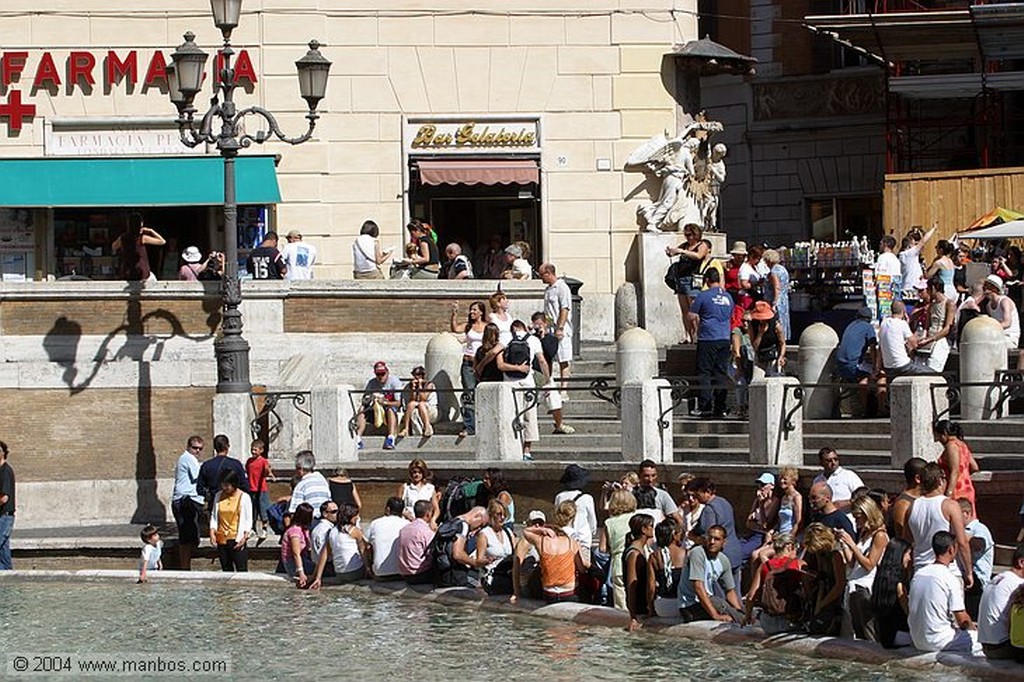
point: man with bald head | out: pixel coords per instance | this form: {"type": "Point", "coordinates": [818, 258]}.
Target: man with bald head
{"type": "Point", "coordinates": [826, 512]}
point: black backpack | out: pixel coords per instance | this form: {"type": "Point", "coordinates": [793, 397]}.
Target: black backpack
{"type": "Point", "coordinates": [447, 571]}
{"type": "Point", "coordinates": [517, 352]}
{"type": "Point", "coordinates": [460, 495]}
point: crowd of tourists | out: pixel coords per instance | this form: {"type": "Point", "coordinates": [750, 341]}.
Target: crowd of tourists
{"type": "Point", "coordinates": [903, 568]}
{"type": "Point", "coordinates": [738, 313]}
{"type": "Point", "coordinates": [495, 347]}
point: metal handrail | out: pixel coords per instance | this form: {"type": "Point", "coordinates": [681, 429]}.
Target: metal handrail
{"type": "Point", "coordinates": [271, 399]}
{"type": "Point", "coordinates": [798, 396]}
{"type": "Point", "coordinates": [530, 398]}
{"type": "Point", "coordinates": [1009, 383]}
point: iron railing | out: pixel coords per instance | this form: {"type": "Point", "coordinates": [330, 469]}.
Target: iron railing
{"type": "Point", "coordinates": [267, 423]}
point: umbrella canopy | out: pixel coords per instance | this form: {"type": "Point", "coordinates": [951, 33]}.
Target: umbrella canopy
{"type": "Point", "coordinates": [1011, 230]}
{"type": "Point", "coordinates": [994, 217]}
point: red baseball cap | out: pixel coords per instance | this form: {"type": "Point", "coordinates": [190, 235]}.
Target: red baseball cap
{"type": "Point", "coordinates": [380, 366]}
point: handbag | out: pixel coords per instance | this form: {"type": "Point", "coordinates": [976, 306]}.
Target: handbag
{"type": "Point", "coordinates": [674, 274]}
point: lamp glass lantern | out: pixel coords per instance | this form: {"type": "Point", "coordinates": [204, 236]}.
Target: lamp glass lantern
{"type": "Point", "coordinates": [226, 13]}
{"type": "Point", "coordinates": [313, 70]}
{"type": "Point", "coordinates": [189, 64]}
{"type": "Point", "coordinates": [174, 88]}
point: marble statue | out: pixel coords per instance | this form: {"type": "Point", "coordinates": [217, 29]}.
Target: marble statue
{"type": "Point", "coordinates": [688, 172]}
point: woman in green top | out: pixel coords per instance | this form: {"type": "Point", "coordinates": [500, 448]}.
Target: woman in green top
{"type": "Point", "coordinates": [613, 539]}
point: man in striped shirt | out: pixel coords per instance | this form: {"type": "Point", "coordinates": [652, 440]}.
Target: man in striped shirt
{"type": "Point", "coordinates": [312, 486]}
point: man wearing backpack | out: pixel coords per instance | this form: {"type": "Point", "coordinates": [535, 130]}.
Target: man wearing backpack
{"type": "Point", "coordinates": [516, 362]}
{"type": "Point", "coordinates": [454, 566]}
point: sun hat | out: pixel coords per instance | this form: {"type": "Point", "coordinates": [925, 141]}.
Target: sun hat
{"type": "Point", "coordinates": [575, 477]}
{"type": "Point", "coordinates": [739, 247]}
{"type": "Point", "coordinates": [762, 311]}
{"type": "Point", "coordinates": [537, 515]}
{"type": "Point", "coordinates": [191, 255]}
{"type": "Point", "coordinates": [514, 251]}
{"type": "Point", "coordinates": [766, 479]}
{"type": "Point", "coordinates": [294, 234]}
{"type": "Point", "coordinates": [995, 281]}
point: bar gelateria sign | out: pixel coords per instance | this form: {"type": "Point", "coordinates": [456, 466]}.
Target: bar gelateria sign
{"type": "Point", "coordinates": [470, 136]}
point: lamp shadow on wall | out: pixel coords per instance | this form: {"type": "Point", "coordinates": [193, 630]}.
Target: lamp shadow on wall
{"type": "Point", "coordinates": [144, 337]}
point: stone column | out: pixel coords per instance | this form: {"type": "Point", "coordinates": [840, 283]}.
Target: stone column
{"type": "Point", "coordinates": [496, 440]}
{"type": "Point", "coordinates": [657, 305]}
{"type": "Point", "coordinates": [233, 415]}
{"type": "Point", "coordinates": [642, 434]}
{"type": "Point", "coordinates": [818, 344]}
{"type": "Point", "coordinates": [914, 404]}
{"type": "Point", "coordinates": [982, 353]}
{"type": "Point", "coordinates": [771, 443]}
{"type": "Point", "coordinates": [443, 362]}
{"type": "Point", "coordinates": [333, 441]}
{"type": "Point", "coordinates": [636, 356]}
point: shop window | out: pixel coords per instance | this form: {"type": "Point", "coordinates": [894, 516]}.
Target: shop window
{"type": "Point", "coordinates": [843, 218]}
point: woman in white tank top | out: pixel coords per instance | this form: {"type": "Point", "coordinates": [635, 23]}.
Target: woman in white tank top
{"type": "Point", "coordinates": [501, 317]}
{"type": "Point", "coordinates": [346, 547]}
{"type": "Point", "coordinates": [473, 335]}
{"type": "Point", "coordinates": [418, 488]}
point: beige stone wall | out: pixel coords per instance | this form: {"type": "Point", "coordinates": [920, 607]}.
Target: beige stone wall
{"type": "Point", "coordinates": [591, 69]}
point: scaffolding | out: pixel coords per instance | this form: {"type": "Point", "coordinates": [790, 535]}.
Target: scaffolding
{"type": "Point", "coordinates": [953, 78]}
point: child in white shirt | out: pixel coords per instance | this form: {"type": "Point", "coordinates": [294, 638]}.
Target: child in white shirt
{"type": "Point", "coordinates": [151, 551]}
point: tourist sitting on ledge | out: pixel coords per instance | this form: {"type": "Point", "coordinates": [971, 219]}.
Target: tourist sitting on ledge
{"type": "Point", "coordinates": [938, 619]}
{"type": "Point", "coordinates": [558, 559]}
{"type": "Point", "coordinates": [707, 576]}
{"type": "Point", "coordinates": [346, 548]}
{"type": "Point", "coordinates": [1001, 597]}
{"type": "Point", "coordinates": [382, 399]}
{"type": "Point", "coordinates": [415, 563]}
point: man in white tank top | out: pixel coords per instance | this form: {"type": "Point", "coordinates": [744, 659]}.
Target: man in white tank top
{"type": "Point", "coordinates": [930, 513]}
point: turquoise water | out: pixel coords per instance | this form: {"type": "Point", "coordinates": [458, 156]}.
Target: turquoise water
{"type": "Point", "coordinates": [278, 633]}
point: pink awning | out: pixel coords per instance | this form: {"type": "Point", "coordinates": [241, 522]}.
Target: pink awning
{"type": "Point", "coordinates": [479, 172]}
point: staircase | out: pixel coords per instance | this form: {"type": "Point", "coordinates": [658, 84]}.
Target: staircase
{"type": "Point", "coordinates": [863, 443]}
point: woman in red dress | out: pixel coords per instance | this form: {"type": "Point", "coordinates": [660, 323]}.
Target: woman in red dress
{"type": "Point", "coordinates": [956, 460]}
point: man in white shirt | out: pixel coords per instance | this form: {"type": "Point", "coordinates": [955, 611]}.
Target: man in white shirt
{"type": "Point", "coordinates": [937, 618]}
{"type": "Point", "coordinates": [558, 308]}
{"type": "Point", "coordinates": [321, 529]}
{"type": "Point", "coordinates": [312, 486]}
{"type": "Point", "coordinates": [888, 263]}
{"type": "Point", "coordinates": [842, 481]}
{"type": "Point", "coordinates": [382, 537]}
{"type": "Point", "coordinates": [994, 613]}
{"type": "Point", "coordinates": [299, 256]}
{"type": "Point", "coordinates": [897, 342]}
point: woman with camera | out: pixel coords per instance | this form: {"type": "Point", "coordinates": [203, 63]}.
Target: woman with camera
{"type": "Point", "coordinates": [421, 400]}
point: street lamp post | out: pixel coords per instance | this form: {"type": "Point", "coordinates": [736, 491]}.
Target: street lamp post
{"type": "Point", "coordinates": [185, 78]}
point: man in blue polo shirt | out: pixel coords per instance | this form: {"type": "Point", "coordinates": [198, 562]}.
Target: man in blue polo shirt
{"type": "Point", "coordinates": [713, 308]}
{"type": "Point", "coordinates": [857, 358]}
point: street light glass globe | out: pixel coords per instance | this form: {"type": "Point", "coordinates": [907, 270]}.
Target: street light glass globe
{"type": "Point", "coordinates": [189, 63]}
{"type": "Point", "coordinates": [226, 13]}
{"type": "Point", "coordinates": [313, 71]}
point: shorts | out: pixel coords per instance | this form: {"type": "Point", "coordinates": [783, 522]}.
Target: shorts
{"type": "Point", "coordinates": [564, 349]}
{"type": "Point", "coordinates": [186, 515]}
{"type": "Point", "coordinates": [552, 396]}
{"type": "Point", "coordinates": [851, 373]}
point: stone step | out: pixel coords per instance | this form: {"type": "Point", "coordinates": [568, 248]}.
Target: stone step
{"type": "Point", "coordinates": [699, 442]}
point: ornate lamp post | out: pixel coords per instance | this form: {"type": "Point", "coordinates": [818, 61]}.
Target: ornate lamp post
{"type": "Point", "coordinates": [185, 78]}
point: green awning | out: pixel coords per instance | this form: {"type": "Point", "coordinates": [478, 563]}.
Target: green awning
{"type": "Point", "coordinates": [156, 181]}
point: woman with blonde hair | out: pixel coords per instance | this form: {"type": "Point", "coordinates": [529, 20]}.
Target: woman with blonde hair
{"type": "Point", "coordinates": [494, 546]}
{"type": "Point", "coordinates": [863, 554]}
{"type": "Point", "coordinates": [621, 506]}
{"type": "Point", "coordinates": [692, 254]}
{"type": "Point", "coordinates": [825, 560]}
{"type": "Point", "coordinates": [777, 290]}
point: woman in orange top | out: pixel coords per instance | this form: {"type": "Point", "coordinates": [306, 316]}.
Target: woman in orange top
{"type": "Point", "coordinates": [956, 460]}
{"type": "Point", "coordinates": [230, 524]}
{"type": "Point", "coordinates": [560, 558]}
